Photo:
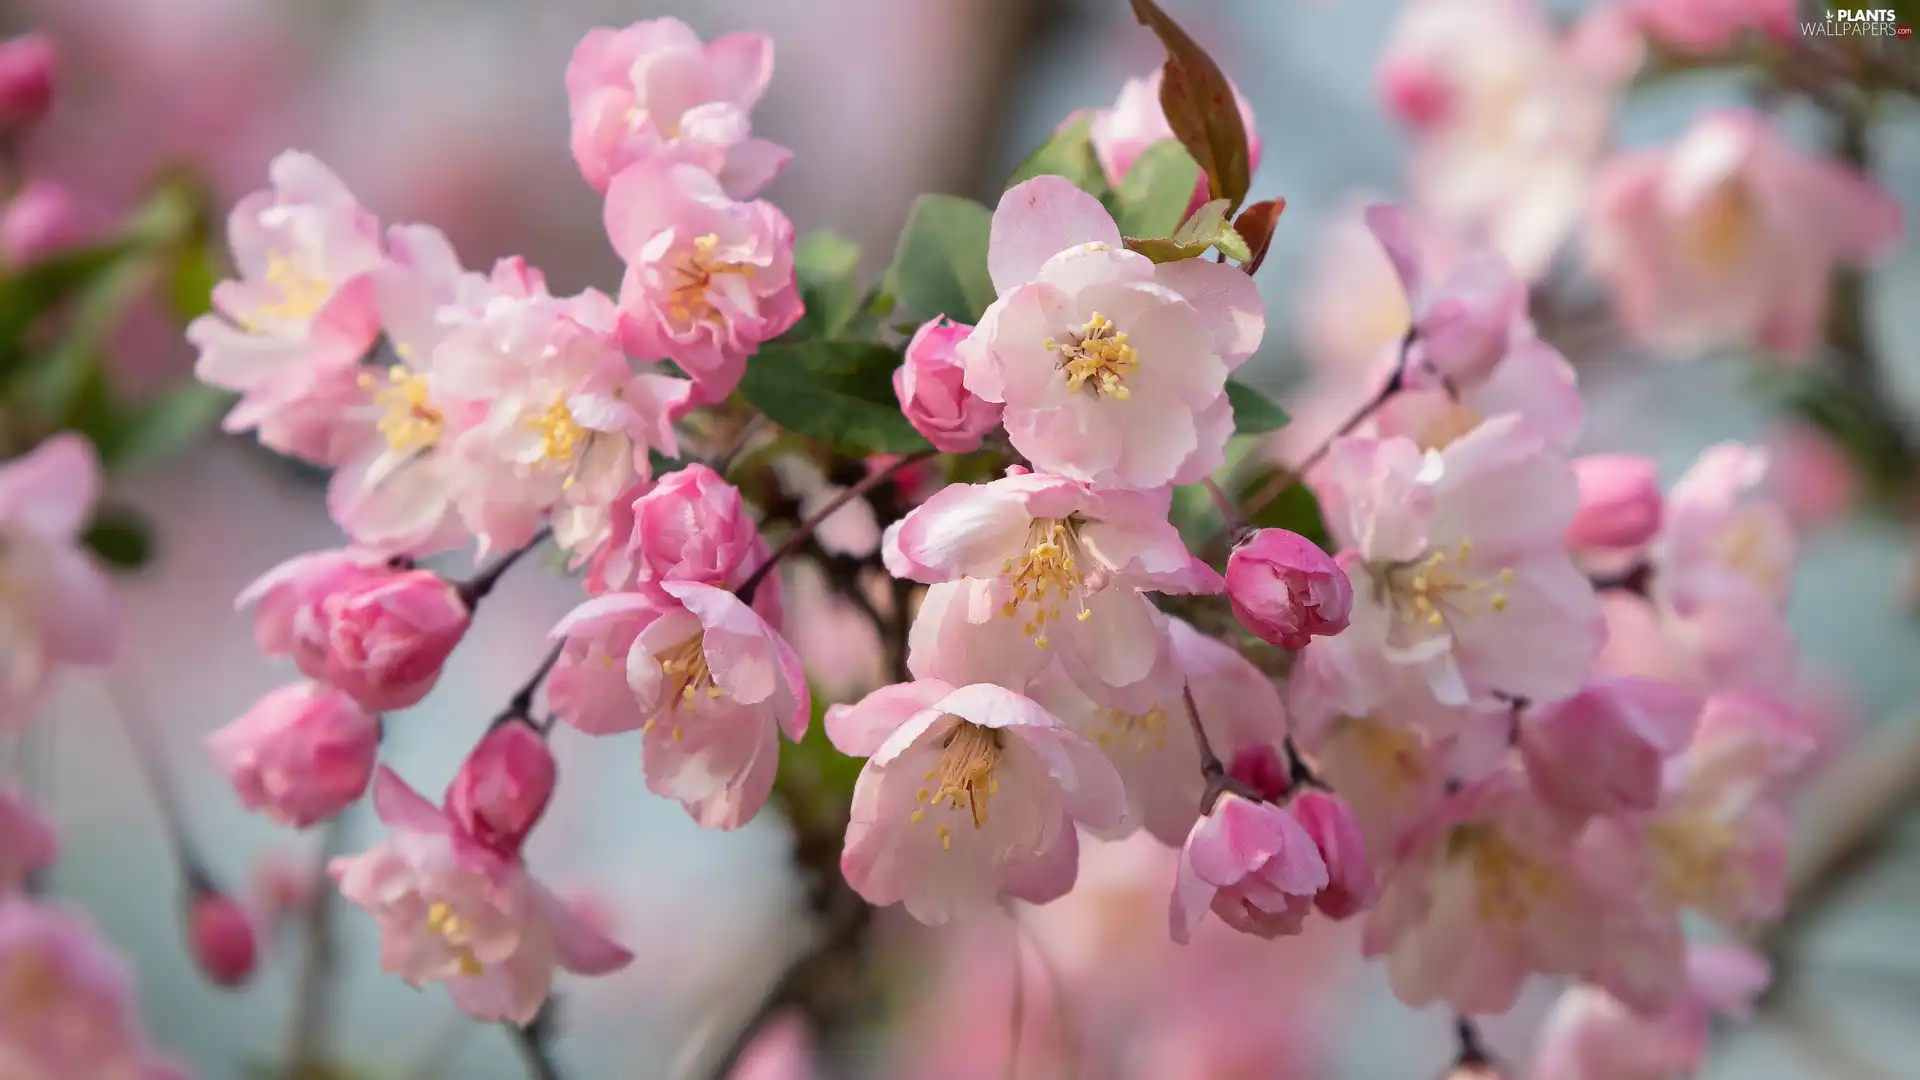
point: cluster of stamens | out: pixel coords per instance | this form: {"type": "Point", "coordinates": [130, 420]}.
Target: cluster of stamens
{"type": "Point", "coordinates": [455, 931]}
{"type": "Point", "coordinates": [1096, 359]}
{"type": "Point", "coordinates": [1392, 753]}
{"type": "Point", "coordinates": [1136, 731]}
{"type": "Point", "coordinates": [301, 294]}
{"type": "Point", "coordinates": [1046, 576]}
{"type": "Point", "coordinates": [560, 434]}
{"type": "Point", "coordinates": [410, 423]}
{"type": "Point", "coordinates": [1507, 881]}
{"type": "Point", "coordinates": [963, 777]}
{"type": "Point", "coordinates": [1425, 589]}
{"type": "Point", "coordinates": [693, 272]}
{"type": "Point", "coordinates": [1690, 855]}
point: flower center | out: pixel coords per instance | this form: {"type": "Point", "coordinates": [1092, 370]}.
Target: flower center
{"type": "Point", "coordinates": [560, 434]}
{"type": "Point", "coordinates": [30, 984]}
{"type": "Point", "coordinates": [689, 680]}
{"type": "Point", "coordinates": [1718, 234]}
{"type": "Point", "coordinates": [1096, 359]}
{"type": "Point", "coordinates": [1427, 590]}
{"type": "Point", "coordinates": [301, 293]}
{"type": "Point", "coordinates": [410, 423]}
{"type": "Point", "coordinates": [455, 932]}
{"type": "Point", "coordinates": [1745, 546]}
{"type": "Point", "coordinates": [1690, 856]}
{"type": "Point", "coordinates": [1391, 753]}
{"type": "Point", "coordinates": [1136, 731]}
{"type": "Point", "coordinates": [1054, 568]}
{"type": "Point", "coordinates": [693, 272]}
{"type": "Point", "coordinates": [1507, 881]}
{"type": "Point", "coordinates": [963, 776]}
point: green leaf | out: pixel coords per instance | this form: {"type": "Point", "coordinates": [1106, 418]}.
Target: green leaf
{"type": "Point", "coordinates": [814, 771]}
{"type": "Point", "coordinates": [121, 536]}
{"type": "Point", "coordinates": [940, 267]}
{"type": "Point", "coordinates": [1166, 251]}
{"type": "Point", "coordinates": [839, 392]}
{"type": "Point", "coordinates": [1154, 196]}
{"type": "Point", "coordinates": [1232, 244]}
{"type": "Point", "coordinates": [1253, 412]}
{"type": "Point", "coordinates": [1295, 509]}
{"type": "Point", "coordinates": [34, 289]}
{"type": "Point", "coordinates": [195, 271]}
{"type": "Point", "coordinates": [1256, 224]}
{"type": "Point", "coordinates": [827, 266]}
{"type": "Point", "coordinates": [1200, 107]}
{"type": "Point", "coordinates": [170, 422]}
{"type": "Point", "coordinates": [1070, 154]}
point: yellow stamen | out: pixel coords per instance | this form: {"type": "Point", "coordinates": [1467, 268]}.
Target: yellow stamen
{"type": "Point", "coordinates": [410, 423]}
{"type": "Point", "coordinates": [1096, 359]}
{"type": "Point", "coordinates": [964, 775]}
{"type": "Point", "coordinates": [560, 434]}
{"type": "Point", "coordinates": [694, 271]}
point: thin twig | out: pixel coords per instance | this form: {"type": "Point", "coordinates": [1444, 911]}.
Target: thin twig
{"type": "Point", "coordinates": [476, 588]}
{"type": "Point", "coordinates": [1287, 478]}
{"type": "Point", "coordinates": [313, 997]}
{"type": "Point", "coordinates": [1473, 1052]}
{"type": "Point", "coordinates": [806, 528]}
{"type": "Point", "coordinates": [520, 705]}
{"type": "Point", "coordinates": [533, 1042]}
{"type": "Point", "coordinates": [128, 707]}
{"type": "Point", "coordinates": [748, 430]}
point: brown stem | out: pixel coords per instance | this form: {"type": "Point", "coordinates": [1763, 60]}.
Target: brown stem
{"type": "Point", "coordinates": [476, 589]}
{"type": "Point", "coordinates": [313, 997]}
{"type": "Point", "coordinates": [1287, 478]}
{"type": "Point", "coordinates": [520, 705]}
{"type": "Point", "coordinates": [150, 757]}
{"type": "Point", "coordinates": [1236, 525]}
{"type": "Point", "coordinates": [806, 528]}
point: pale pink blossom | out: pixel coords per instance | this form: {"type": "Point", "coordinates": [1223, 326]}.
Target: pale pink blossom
{"type": "Point", "coordinates": [290, 332]}
{"type": "Point", "coordinates": [838, 644]}
{"type": "Point", "coordinates": [1457, 566]}
{"type": "Point", "coordinates": [1603, 750]}
{"type": "Point", "coordinates": [1047, 560]}
{"type": "Point", "coordinates": [221, 938]}
{"type": "Point", "coordinates": [1286, 590]}
{"type": "Point", "coordinates": [382, 639]}
{"type": "Point", "coordinates": [1710, 26]}
{"type": "Point", "coordinates": [707, 680]}
{"type": "Point", "coordinates": [57, 606]}
{"type": "Point", "coordinates": [933, 393]}
{"type": "Point", "coordinates": [1112, 369]}
{"type": "Point", "coordinates": [1463, 321]}
{"type": "Point", "coordinates": [28, 843]}
{"type": "Point", "coordinates": [1152, 746]}
{"type": "Point", "coordinates": [708, 279]}
{"type": "Point", "coordinates": [1620, 502]}
{"type": "Point", "coordinates": [503, 787]}
{"type": "Point", "coordinates": [452, 911]}
{"type": "Point", "coordinates": [967, 793]}
{"type": "Point", "coordinates": [1251, 864]}
{"type": "Point", "coordinates": [39, 220]}
{"type": "Point", "coordinates": [783, 1051]}
{"type": "Point", "coordinates": [690, 526]}
{"type": "Point", "coordinates": [66, 999]}
{"type": "Point", "coordinates": [1811, 475]}
{"type": "Point", "coordinates": [654, 92]}
{"type": "Point", "coordinates": [1335, 830]}
{"type": "Point", "coordinates": [1731, 236]}
{"type": "Point", "coordinates": [1486, 895]}
{"type": "Point", "coordinates": [301, 754]}
{"type": "Point", "coordinates": [28, 64]}
{"type": "Point", "coordinates": [1591, 1035]}
{"type": "Point", "coordinates": [1136, 121]}
{"type": "Point", "coordinates": [852, 529]}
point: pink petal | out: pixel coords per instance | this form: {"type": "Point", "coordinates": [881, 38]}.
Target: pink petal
{"type": "Point", "coordinates": [51, 490]}
{"type": "Point", "coordinates": [1036, 221]}
{"type": "Point", "coordinates": [1048, 875]}
{"type": "Point", "coordinates": [403, 808]}
{"type": "Point", "coordinates": [581, 949]}
{"type": "Point", "coordinates": [858, 730]}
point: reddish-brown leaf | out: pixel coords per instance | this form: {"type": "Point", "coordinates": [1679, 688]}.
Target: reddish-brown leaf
{"type": "Point", "coordinates": [1200, 107]}
{"type": "Point", "coordinates": [1255, 225]}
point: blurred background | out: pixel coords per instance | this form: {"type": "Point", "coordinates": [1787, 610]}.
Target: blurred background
{"type": "Point", "coordinates": [454, 112]}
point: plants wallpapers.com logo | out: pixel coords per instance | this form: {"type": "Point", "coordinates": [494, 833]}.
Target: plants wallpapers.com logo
{"type": "Point", "coordinates": [1858, 22]}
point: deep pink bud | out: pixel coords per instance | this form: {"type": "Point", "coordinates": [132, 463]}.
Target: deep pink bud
{"type": "Point", "coordinates": [301, 754]}
{"type": "Point", "coordinates": [1251, 864]}
{"type": "Point", "coordinates": [1604, 750]}
{"type": "Point", "coordinates": [39, 221]}
{"type": "Point", "coordinates": [1416, 92]}
{"type": "Point", "coordinates": [26, 79]}
{"type": "Point", "coordinates": [1336, 832]}
{"type": "Point", "coordinates": [1286, 590]}
{"type": "Point", "coordinates": [1464, 328]}
{"type": "Point", "coordinates": [932, 394]}
{"type": "Point", "coordinates": [221, 938]}
{"type": "Point", "coordinates": [384, 640]}
{"type": "Point", "coordinates": [503, 787]}
{"type": "Point", "coordinates": [1620, 502]}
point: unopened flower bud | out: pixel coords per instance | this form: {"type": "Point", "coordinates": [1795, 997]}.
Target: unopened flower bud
{"type": "Point", "coordinates": [1620, 502]}
{"type": "Point", "coordinates": [26, 79]}
{"type": "Point", "coordinates": [1286, 590]}
{"type": "Point", "coordinates": [221, 938]}
{"type": "Point", "coordinates": [385, 641]}
{"type": "Point", "coordinates": [932, 394]}
{"type": "Point", "coordinates": [39, 221]}
{"type": "Point", "coordinates": [301, 754]}
{"type": "Point", "coordinates": [503, 787]}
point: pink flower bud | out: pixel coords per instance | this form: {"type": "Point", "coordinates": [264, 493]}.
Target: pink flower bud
{"type": "Point", "coordinates": [26, 79]}
{"type": "Point", "coordinates": [1251, 864]}
{"type": "Point", "coordinates": [1415, 91]}
{"type": "Point", "coordinates": [1620, 502]}
{"type": "Point", "coordinates": [221, 938]}
{"type": "Point", "coordinates": [503, 787]}
{"type": "Point", "coordinates": [691, 526]}
{"type": "Point", "coordinates": [1465, 326]}
{"type": "Point", "coordinates": [1603, 750]}
{"type": "Point", "coordinates": [39, 221]}
{"type": "Point", "coordinates": [301, 754]}
{"type": "Point", "coordinates": [934, 397]}
{"type": "Point", "coordinates": [1286, 590]}
{"type": "Point", "coordinates": [28, 843]}
{"type": "Point", "coordinates": [1336, 832]}
{"type": "Point", "coordinates": [1812, 477]}
{"type": "Point", "coordinates": [384, 641]}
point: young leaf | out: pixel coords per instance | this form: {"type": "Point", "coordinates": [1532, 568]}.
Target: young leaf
{"type": "Point", "coordinates": [1070, 154]}
{"type": "Point", "coordinates": [1231, 244]}
{"type": "Point", "coordinates": [940, 267]}
{"type": "Point", "coordinates": [839, 392]}
{"type": "Point", "coordinates": [1295, 509]}
{"type": "Point", "coordinates": [1256, 224]}
{"type": "Point", "coordinates": [1166, 251]}
{"type": "Point", "coordinates": [1253, 412]}
{"type": "Point", "coordinates": [1200, 107]}
{"type": "Point", "coordinates": [827, 266]}
{"type": "Point", "coordinates": [1157, 189]}
{"type": "Point", "coordinates": [156, 428]}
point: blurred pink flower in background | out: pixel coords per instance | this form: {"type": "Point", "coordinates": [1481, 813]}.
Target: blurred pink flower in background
{"type": "Point", "coordinates": [1707, 26]}
{"type": "Point", "coordinates": [28, 843]}
{"type": "Point", "coordinates": [67, 1005]}
{"type": "Point", "coordinates": [1136, 121]}
{"type": "Point", "coordinates": [1811, 475]}
{"type": "Point", "coordinates": [1590, 1035]}
{"type": "Point", "coordinates": [302, 754]}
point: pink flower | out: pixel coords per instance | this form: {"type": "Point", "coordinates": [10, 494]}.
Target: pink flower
{"type": "Point", "coordinates": [381, 637]}
{"type": "Point", "coordinates": [66, 999]}
{"type": "Point", "coordinates": [1253, 865]}
{"type": "Point", "coordinates": [39, 220]}
{"type": "Point", "coordinates": [1286, 590]}
{"type": "Point", "coordinates": [690, 526]}
{"type": "Point", "coordinates": [933, 394]}
{"type": "Point", "coordinates": [1136, 121]}
{"type": "Point", "coordinates": [221, 939]}
{"type": "Point", "coordinates": [1336, 833]}
{"type": "Point", "coordinates": [1151, 744]}
{"type": "Point", "coordinates": [1602, 751]}
{"type": "Point", "coordinates": [288, 335]}
{"type": "Point", "coordinates": [1710, 26]}
{"type": "Point", "coordinates": [967, 793]}
{"type": "Point", "coordinates": [28, 843]}
{"type": "Point", "coordinates": [707, 680]}
{"type": "Point", "coordinates": [1112, 369]}
{"type": "Point", "coordinates": [289, 597]}
{"type": "Point", "coordinates": [654, 93]}
{"type": "Point", "coordinates": [502, 788]}
{"type": "Point", "coordinates": [708, 279]}
{"type": "Point", "coordinates": [1620, 502]}
{"type": "Point", "coordinates": [27, 66]}
{"type": "Point", "coordinates": [302, 754]}
{"type": "Point", "coordinates": [1812, 476]}
{"type": "Point", "coordinates": [452, 911]}
{"type": "Point", "coordinates": [56, 603]}
{"type": "Point", "coordinates": [1731, 236]}
{"type": "Point", "coordinates": [1458, 569]}
{"type": "Point", "coordinates": [1591, 1035]}
{"type": "Point", "coordinates": [1039, 548]}
{"type": "Point", "coordinates": [1463, 321]}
